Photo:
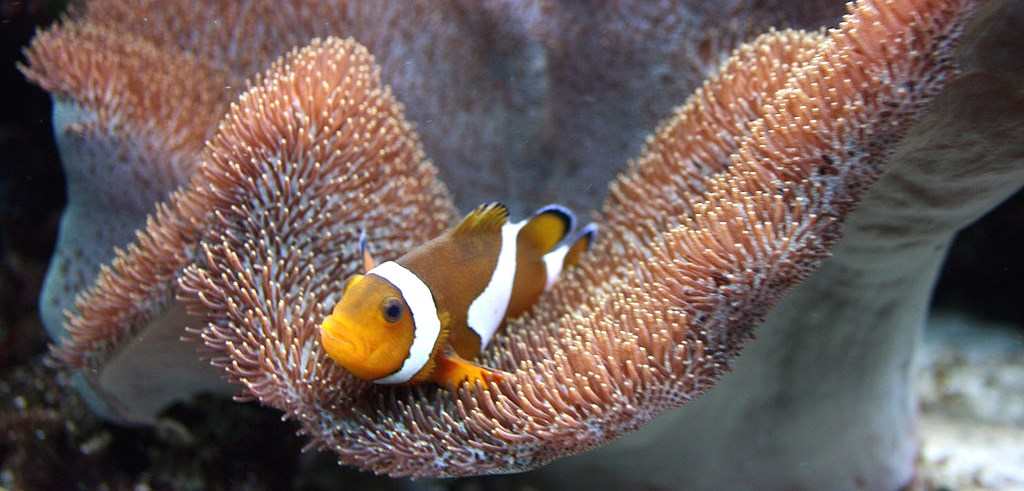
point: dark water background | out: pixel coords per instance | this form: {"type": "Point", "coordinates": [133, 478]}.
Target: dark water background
{"type": "Point", "coordinates": [46, 435]}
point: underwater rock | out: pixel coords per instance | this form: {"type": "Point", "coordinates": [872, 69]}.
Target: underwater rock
{"type": "Point", "coordinates": [969, 383]}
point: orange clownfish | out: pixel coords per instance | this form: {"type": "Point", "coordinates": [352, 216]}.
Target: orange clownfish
{"type": "Point", "coordinates": [422, 317]}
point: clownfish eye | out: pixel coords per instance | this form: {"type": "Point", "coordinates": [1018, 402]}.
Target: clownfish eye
{"type": "Point", "coordinates": [392, 309]}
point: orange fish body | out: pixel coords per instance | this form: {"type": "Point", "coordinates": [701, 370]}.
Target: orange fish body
{"type": "Point", "coordinates": [421, 317]}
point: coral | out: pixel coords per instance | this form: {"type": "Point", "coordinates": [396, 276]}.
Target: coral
{"type": "Point", "coordinates": [490, 113]}
{"type": "Point", "coordinates": [736, 198]}
{"type": "Point", "coordinates": [312, 155]}
{"type": "Point", "coordinates": [119, 136]}
{"type": "Point", "coordinates": [824, 394]}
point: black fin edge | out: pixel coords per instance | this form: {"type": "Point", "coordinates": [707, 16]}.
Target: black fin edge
{"type": "Point", "coordinates": [463, 224]}
{"type": "Point", "coordinates": [567, 216]}
{"type": "Point", "coordinates": [590, 229]}
{"type": "Point", "coordinates": [491, 204]}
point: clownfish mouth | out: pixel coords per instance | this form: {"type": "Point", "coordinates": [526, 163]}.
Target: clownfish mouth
{"type": "Point", "coordinates": [341, 349]}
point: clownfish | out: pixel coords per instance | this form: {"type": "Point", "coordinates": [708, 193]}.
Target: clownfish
{"type": "Point", "coordinates": [423, 316]}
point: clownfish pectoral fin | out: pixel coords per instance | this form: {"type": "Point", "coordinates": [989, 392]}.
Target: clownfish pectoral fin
{"type": "Point", "coordinates": [429, 370]}
{"type": "Point", "coordinates": [364, 250]}
{"type": "Point", "coordinates": [486, 217]}
{"type": "Point", "coordinates": [452, 370]}
{"type": "Point", "coordinates": [548, 226]}
{"type": "Point", "coordinates": [584, 238]}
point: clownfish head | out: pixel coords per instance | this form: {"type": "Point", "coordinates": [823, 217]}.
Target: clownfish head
{"type": "Point", "coordinates": [370, 331]}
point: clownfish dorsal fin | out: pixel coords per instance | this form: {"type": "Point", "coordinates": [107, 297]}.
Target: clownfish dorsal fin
{"type": "Point", "coordinates": [364, 250]}
{"type": "Point", "coordinates": [582, 243]}
{"type": "Point", "coordinates": [548, 226]}
{"type": "Point", "coordinates": [488, 217]}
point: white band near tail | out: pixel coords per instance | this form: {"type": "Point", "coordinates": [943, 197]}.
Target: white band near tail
{"type": "Point", "coordinates": [426, 324]}
{"type": "Point", "coordinates": [488, 309]}
{"type": "Point", "coordinates": [553, 262]}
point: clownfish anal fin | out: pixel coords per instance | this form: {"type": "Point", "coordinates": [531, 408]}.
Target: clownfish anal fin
{"type": "Point", "coordinates": [486, 217]}
{"type": "Point", "coordinates": [364, 250]}
{"type": "Point", "coordinates": [582, 243]}
{"type": "Point", "coordinates": [548, 226]}
{"type": "Point", "coordinates": [452, 370]}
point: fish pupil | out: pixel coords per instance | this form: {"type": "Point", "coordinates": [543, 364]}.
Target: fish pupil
{"type": "Point", "coordinates": [392, 310]}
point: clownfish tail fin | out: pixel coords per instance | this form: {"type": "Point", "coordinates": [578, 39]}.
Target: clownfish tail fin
{"type": "Point", "coordinates": [549, 226]}
{"type": "Point", "coordinates": [582, 242]}
{"type": "Point", "coordinates": [486, 217]}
